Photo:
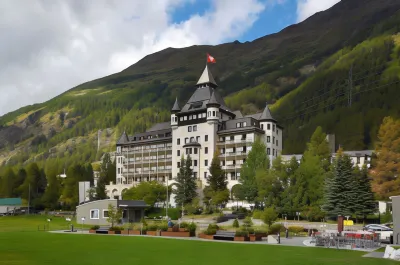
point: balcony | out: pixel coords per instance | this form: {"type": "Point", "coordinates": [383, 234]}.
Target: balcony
{"type": "Point", "coordinates": [234, 154]}
{"type": "Point", "coordinates": [236, 142]}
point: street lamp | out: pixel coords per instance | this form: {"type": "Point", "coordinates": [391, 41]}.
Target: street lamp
{"type": "Point", "coordinates": [83, 222]}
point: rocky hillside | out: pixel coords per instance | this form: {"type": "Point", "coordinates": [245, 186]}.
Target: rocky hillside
{"type": "Point", "coordinates": [304, 70]}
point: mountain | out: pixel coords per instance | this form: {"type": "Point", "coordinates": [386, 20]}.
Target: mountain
{"type": "Point", "coordinates": [304, 70]}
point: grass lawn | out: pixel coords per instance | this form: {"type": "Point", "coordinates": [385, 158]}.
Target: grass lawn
{"type": "Point", "coordinates": [22, 244]}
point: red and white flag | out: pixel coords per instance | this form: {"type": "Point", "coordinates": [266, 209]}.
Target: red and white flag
{"type": "Point", "coordinates": [210, 59]}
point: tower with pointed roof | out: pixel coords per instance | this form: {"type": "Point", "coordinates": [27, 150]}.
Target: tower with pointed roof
{"type": "Point", "coordinates": [271, 137]}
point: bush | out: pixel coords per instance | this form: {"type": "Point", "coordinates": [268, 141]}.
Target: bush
{"type": "Point", "coordinates": [269, 216]}
{"type": "Point", "coordinates": [213, 226]}
{"type": "Point", "coordinates": [247, 222]}
{"type": "Point", "coordinates": [184, 225]}
{"type": "Point", "coordinates": [173, 213]}
{"type": "Point", "coordinates": [116, 228]}
{"type": "Point", "coordinates": [260, 232]}
{"type": "Point", "coordinates": [296, 229]}
{"type": "Point", "coordinates": [209, 231]}
{"type": "Point", "coordinates": [152, 227]}
{"type": "Point", "coordinates": [175, 228]}
{"type": "Point", "coordinates": [95, 227]}
{"type": "Point", "coordinates": [192, 229]}
{"type": "Point", "coordinates": [235, 223]}
{"type": "Point", "coordinates": [276, 228]}
{"type": "Point", "coordinates": [257, 214]}
{"type": "Point", "coordinates": [163, 227]}
{"type": "Point", "coordinates": [242, 233]}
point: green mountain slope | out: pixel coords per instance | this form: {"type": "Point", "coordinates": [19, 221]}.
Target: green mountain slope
{"type": "Point", "coordinates": [303, 69]}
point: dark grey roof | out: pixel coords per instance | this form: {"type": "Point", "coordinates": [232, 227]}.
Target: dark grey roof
{"type": "Point", "coordinates": [124, 139]}
{"type": "Point", "coordinates": [266, 114]}
{"type": "Point", "coordinates": [176, 107]}
{"type": "Point", "coordinates": [213, 100]}
{"type": "Point", "coordinates": [206, 77]}
{"type": "Point", "coordinates": [238, 114]}
{"type": "Point", "coordinates": [255, 116]}
{"type": "Point", "coordinates": [160, 126]}
{"type": "Point", "coordinates": [200, 98]}
{"type": "Point", "coordinates": [131, 203]}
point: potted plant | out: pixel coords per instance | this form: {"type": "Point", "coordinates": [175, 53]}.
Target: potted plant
{"type": "Point", "coordinates": [93, 229]}
{"type": "Point", "coordinates": [241, 235]}
{"type": "Point", "coordinates": [115, 230]}
{"type": "Point", "coordinates": [152, 230]}
{"type": "Point", "coordinates": [257, 235]}
{"type": "Point", "coordinates": [209, 232]}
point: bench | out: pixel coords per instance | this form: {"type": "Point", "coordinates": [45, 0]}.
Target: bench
{"type": "Point", "coordinates": [102, 230]}
{"type": "Point", "coordinates": [224, 235]}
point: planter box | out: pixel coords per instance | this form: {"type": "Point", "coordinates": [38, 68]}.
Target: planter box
{"type": "Point", "coordinates": [175, 234]}
{"type": "Point", "coordinates": [241, 238]}
{"type": "Point", "coordinates": [114, 232]}
{"type": "Point", "coordinates": [255, 237]}
{"type": "Point", "coordinates": [204, 236]}
{"type": "Point", "coordinates": [91, 231]}
{"type": "Point", "coordinates": [152, 233]}
{"type": "Point", "coordinates": [180, 229]}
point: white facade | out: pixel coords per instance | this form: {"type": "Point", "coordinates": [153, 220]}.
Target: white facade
{"type": "Point", "coordinates": [204, 125]}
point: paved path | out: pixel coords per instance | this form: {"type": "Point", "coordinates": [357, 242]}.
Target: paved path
{"type": "Point", "coordinates": [374, 255]}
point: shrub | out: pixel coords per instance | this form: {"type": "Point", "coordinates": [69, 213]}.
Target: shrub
{"type": "Point", "coordinates": [296, 229]}
{"type": "Point", "coordinates": [184, 225]}
{"type": "Point", "coordinates": [95, 227]}
{"type": "Point", "coordinates": [260, 232]}
{"type": "Point", "coordinates": [163, 227]}
{"type": "Point", "coordinates": [269, 216]}
{"type": "Point", "coordinates": [143, 221]}
{"type": "Point", "coordinates": [192, 228]}
{"type": "Point", "coordinates": [116, 228]}
{"type": "Point", "coordinates": [175, 228]}
{"type": "Point", "coordinates": [247, 222]}
{"type": "Point", "coordinates": [210, 231]}
{"type": "Point", "coordinates": [213, 226]}
{"type": "Point", "coordinates": [276, 228]}
{"type": "Point", "coordinates": [152, 227]}
{"type": "Point", "coordinates": [242, 233]}
{"type": "Point", "coordinates": [235, 223]}
{"type": "Point", "coordinates": [257, 214]}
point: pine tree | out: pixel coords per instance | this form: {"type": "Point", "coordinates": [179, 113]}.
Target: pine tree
{"type": "Point", "coordinates": [52, 194]}
{"type": "Point", "coordinates": [216, 180]}
{"type": "Point", "coordinates": [386, 176]}
{"type": "Point", "coordinates": [185, 190]}
{"type": "Point", "coordinates": [365, 201]}
{"type": "Point", "coordinates": [7, 183]}
{"type": "Point", "coordinates": [339, 190]}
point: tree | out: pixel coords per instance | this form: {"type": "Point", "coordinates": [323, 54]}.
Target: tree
{"type": "Point", "coordinates": [269, 216]}
{"type": "Point", "coordinates": [256, 160]}
{"type": "Point", "coordinates": [216, 190]}
{"type": "Point", "coordinates": [51, 195]}
{"type": "Point", "coordinates": [107, 174]}
{"type": "Point", "coordinates": [364, 197]}
{"type": "Point", "coordinates": [386, 174]}
{"type": "Point", "coordinates": [114, 214]}
{"type": "Point", "coordinates": [339, 199]}
{"type": "Point", "coordinates": [185, 186]}
{"type": "Point", "coordinates": [7, 183]}
{"type": "Point", "coordinates": [151, 192]}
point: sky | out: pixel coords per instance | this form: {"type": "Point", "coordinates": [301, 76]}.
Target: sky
{"type": "Point", "coordinates": [50, 46]}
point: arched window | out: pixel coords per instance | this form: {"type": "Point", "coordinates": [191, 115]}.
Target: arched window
{"type": "Point", "coordinates": [192, 139]}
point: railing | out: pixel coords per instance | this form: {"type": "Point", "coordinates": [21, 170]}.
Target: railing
{"type": "Point", "coordinates": [236, 141]}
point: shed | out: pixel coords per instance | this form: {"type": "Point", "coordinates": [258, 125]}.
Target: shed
{"type": "Point", "coordinates": [96, 212]}
{"type": "Point", "coordinates": [10, 205]}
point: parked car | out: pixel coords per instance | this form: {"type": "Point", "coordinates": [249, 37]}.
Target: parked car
{"type": "Point", "coordinates": [384, 231]}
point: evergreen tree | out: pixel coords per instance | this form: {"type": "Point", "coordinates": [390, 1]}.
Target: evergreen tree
{"type": "Point", "coordinates": [7, 183]}
{"type": "Point", "coordinates": [185, 190]}
{"type": "Point", "coordinates": [106, 175]}
{"type": "Point", "coordinates": [339, 194]}
{"type": "Point", "coordinates": [365, 201]}
{"type": "Point", "coordinates": [52, 194]}
{"type": "Point", "coordinates": [216, 180]}
{"type": "Point", "coordinates": [386, 176]}
{"type": "Point", "coordinates": [256, 160]}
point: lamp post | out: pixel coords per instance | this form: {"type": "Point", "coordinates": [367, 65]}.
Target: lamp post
{"type": "Point", "coordinates": [166, 210]}
{"type": "Point", "coordinates": [83, 222]}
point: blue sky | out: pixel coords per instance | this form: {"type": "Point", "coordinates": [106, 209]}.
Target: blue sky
{"type": "Point", "coordinates": [276, 16]}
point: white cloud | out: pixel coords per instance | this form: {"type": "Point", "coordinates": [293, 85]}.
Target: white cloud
{"type": "Point", "coordinates": [307, 8]}
{"type": "Point", "coordinates": [49, 46]}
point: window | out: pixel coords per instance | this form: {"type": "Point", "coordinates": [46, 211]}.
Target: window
{"type": "Point", "coordinates": [94, 214]}
{"type": "Point", "coordinates": [195, 162]}
{"type": "Point", "coordinates": [189, 128]}
{"type": "Point", "coordinates": [273, 139]}
{"type": "Point", "coordinates": [185, 118]}
{"type": "Point", "coordinates": [277, 131]}
{"type": "Point", "coordinates": [268, 151]}
{"type": "Point", "coordinates": [268, 139]}
{"type": "Point", "coordinates": [205, 150]}
{"type": "Point", "coordinates": [119, 171]}
{"type": "Point", "coordinates": [206, 163]}
{"type": "Point", "coordinates": [195, 175]}
{"type": "Point", "coordinates": [195, 151]}
{"type": "Point", "coordinates": [268, 126]}
{"type": "Point", "coordinates": [194, 128]}
{"type": "Point", "coordinates": [277, 143]}
{"type": "Point", "coordinates": [204, 115]}
{"type": "Point", "coordinates": [181, 118]}
{"type": "Point", "coordinates": [358, 160]}
{"type": "Point", "coordinates": [273, 152]}
{"type": "Point", "coordinates": [178, 141]}
{"type": "Point", "coordinates": [205, 175]}
{"type": "Point", "coordinates": [179, 164]}
{"type": "Point", "coordinates": [199, 116]}
{"type": "Point", "coordinates": [213, 113]}
{"type": "Point", "coordinates": [105, 213]}
{"type": "Point", "coordinates": [209, 113]}
{"type": "Point", "coordinates": [192, 139]}
{"type": "Point", "coordinates": [233, 176]}
{"type": "Point", "coordinates": [186, 140]}
{"type": "Point", "coordinates": [206, 138]}
{"type": "Point", "coordinates": [190, 117]}
{"type": "Point", "coordinates": [198, 139]}
{"type": "Point", "coordinates": [178, 153]}
{"type": "Point", "coordinates": [273, 127]}
{"type": "Point", "coordinates": [244, 124]}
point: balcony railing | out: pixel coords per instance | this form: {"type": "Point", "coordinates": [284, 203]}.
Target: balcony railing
{"type": "Point", "coordinates": [236, 141]}
{"type": "Point", "coordinates": [229, 154]}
